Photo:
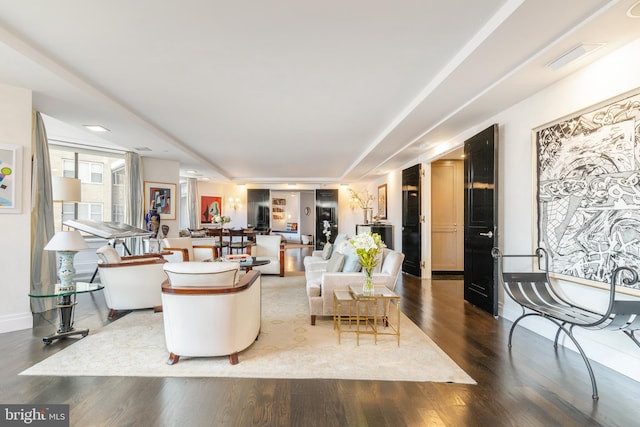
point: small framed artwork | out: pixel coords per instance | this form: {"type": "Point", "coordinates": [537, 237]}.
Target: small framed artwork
{"type": "Point", "coordinates": [382, 201]}
{"type": "Point", "coordinates": [10, 178]}
{"type": "Point", "coordinates": [210, 206]}
{"type": "Point", "coordinates": [161, 196]}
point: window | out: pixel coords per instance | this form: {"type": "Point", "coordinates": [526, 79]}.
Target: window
{"type": "Point", "coordinates": [103, 177]}
{"type": "Point", "coordinates": [91, 211]}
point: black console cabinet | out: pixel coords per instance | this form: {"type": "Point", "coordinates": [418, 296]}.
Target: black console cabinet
{"type": "Point", "coordinates": [384, 230]}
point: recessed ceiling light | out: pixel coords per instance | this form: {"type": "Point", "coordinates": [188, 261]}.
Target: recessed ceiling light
{"type": "Point", "coordinates": [97, 128]}
{"type": "Point", "coordinates": [634, 10]}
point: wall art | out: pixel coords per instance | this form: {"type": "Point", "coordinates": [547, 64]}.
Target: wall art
{"type": "Point", "coordinates": [210, 206]}
{"type": "Point", "coordinates": [588, 190]}
{"type": "Point", "coordinates": [382, 201]}
{"type": "Point", "coordinates": [161, 196]}
{"type": "Point", "coordinates": [10, 178]}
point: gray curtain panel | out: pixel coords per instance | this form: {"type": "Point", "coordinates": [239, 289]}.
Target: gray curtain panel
{"type": "Point", "coordinates": [193, 214]}
{"type": "Point", "coordinates": [134, 198]}
{"type": "Point", "coordinates": [43, 263]}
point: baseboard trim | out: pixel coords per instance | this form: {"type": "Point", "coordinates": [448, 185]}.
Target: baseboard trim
{"type": "Point", "coordinates": [16, 322]}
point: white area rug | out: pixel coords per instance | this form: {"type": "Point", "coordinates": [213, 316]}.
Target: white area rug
{"type": "Point", "coordinates": [288, 347]}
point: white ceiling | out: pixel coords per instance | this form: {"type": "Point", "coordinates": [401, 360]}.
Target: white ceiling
{"type": "Point", "coordinates": [291, 90]}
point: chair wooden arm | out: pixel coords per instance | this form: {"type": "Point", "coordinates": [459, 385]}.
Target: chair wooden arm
{"type": "Point", "coordinates": [128, 262]}
{"type": "Point", "coordinates": [245, 283]}
{"type": "Point", "coordinates": [140, 257]}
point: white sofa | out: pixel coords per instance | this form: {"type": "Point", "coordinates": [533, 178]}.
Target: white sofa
{"type": "Point", "coordinates": [323, 277]}
{"type": "Point", "coordinates": [130, 282]}
{"type": "Point", "coordinates": [210, 310]}
{"type": "Point", "coordinates": [269, 247]}
{"type": "Point", "coordinates": [322, 256]}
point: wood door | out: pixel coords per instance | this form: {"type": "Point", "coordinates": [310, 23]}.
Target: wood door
{"type": "Point", "coordinates": [411, 242]}
{"type": "Point", "coordinates": [480, 221]}
{"type": "Point", "coordinates": [447, 215]}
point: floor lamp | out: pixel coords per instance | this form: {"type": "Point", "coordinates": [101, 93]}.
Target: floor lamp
{"type": "Point", "coordinates": [65, 189]}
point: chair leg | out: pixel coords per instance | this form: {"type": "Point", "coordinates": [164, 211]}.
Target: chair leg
{"type": "Point", "coordinates": [113, 314]}
{"type": "Point", "coordinates": [313, 320]}
{"type": "Point", "coordinates": [233, 358]}
{"type": "Point", "coordinates": [173, 359]}
{"type": "Point", "coordinates": [157, 309]}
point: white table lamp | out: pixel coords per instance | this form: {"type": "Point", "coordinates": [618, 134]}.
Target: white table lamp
{"type": "Point", "coordinates": [65, 190]}
{"type": "Point", "coordinates": [66, 243]}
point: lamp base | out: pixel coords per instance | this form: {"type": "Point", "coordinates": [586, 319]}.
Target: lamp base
{"type": "Point", "coordinates": [67, 272]}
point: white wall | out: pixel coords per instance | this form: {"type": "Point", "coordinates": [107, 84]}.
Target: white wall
{"type": "Point", "coordinates": [15, 129]}
{"type": "Point", "coordinates": [607, 78]}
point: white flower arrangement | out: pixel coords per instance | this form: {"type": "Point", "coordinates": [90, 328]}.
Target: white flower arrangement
{"type": "Point", "coordinates": [326, 229]}
{"type": "Point", "coordinates": [363, 198]}
{"type": "Point", "coordinates": [221, 219]}
{"type": "Point", "coordinates": [367, 246]}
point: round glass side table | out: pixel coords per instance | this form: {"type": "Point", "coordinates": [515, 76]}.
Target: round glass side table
{"type": "Point", "coordinates": [67, 300]}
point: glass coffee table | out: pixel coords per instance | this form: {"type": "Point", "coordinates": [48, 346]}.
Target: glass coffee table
{"type": "Point", "coordinates": [67, 299]}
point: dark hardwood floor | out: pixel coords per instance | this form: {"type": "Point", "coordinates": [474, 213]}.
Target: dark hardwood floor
{"type": "Point", "coordinates": [531, 385]}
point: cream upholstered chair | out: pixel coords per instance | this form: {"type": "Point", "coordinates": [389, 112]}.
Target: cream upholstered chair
{"type": "Point", "coordinates": [130, 282]}
{"type": "Point", "coordinates": [321, 283]}
{"type": "Point", "coordinates": [209, 310]}
{"type": "Point", "coordinates": [269, 247]}
{"type": "Point", "coordinates": [183, 249]}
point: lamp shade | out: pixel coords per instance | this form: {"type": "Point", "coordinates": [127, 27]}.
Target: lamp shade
{"type": "Point", "coordinates": [66, 189]}
{"type": "Point", "coordinates": [66, 241]}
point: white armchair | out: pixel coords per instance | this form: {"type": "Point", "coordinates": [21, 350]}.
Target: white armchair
{"type": "Point", "coordinates": [322, 283]}
{"type": "Point", "coordinates": [269, 247]}
{"type": "Point", "coordinates": [130, 282]}
{"type": "Point", "coordinates": [183, 249]}
{"type": "Point", "coordinates": [208, 311]}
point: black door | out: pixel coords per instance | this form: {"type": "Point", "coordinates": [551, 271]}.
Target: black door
{"type": "Point", "coordinates": [411, 220]}
{"type": "Point", "coordinates": [326, 210]}
{"type": "Point", "coordinates": [480, 219]}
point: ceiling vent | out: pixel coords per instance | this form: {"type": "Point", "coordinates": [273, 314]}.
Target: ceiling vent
{"type": "Point", "coordinates": [573, 54]}
{"type": "Point", "coordinates": [142, 148]}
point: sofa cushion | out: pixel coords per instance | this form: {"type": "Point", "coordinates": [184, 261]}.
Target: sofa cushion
{"type": "Point", "coordinates": [327, 250]}
{"type": "Point", "coordinates": [108, 255]}
{"type": "Point", "coordinates": [351, 260]}
{"type": "Point", "coordinates": [335, 262]}
{"type": "Point", "coordinates": [202, 274]}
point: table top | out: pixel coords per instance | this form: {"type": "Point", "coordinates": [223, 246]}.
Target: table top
{"type": "Point", "coordinates": [378, 292]}
{"type": "Point", "coordinates": [81, 288]}
{"type": "Point", "coordinates": [252, 262]}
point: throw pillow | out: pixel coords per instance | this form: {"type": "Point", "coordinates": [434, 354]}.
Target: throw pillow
{"type": "Point", "coordinates": [108, 255]}
{"type": "Point", "coordinates": [335, 263]}
{"type": "Point", "coordinates": [326, 251]}
{"type": "Point", "coordinates": [351, 261]}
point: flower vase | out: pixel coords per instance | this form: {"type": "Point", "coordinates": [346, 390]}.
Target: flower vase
{"type": "Point", "coordinates": [368, 215]}
{"type": "Point", "coordinates": [367, 287]}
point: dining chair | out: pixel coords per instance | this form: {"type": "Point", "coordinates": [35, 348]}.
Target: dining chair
{"type": "Point", "coordinates": [218, 235]}
{"type": "Point", "coordinates": [237, 240]}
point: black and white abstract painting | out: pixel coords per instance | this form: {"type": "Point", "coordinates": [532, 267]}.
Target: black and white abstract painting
{"type": "Point", "coordinates": [589, 191]}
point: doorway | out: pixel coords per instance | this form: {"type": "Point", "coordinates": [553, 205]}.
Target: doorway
{"type": "Point", "coordinates": [447, 216]}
